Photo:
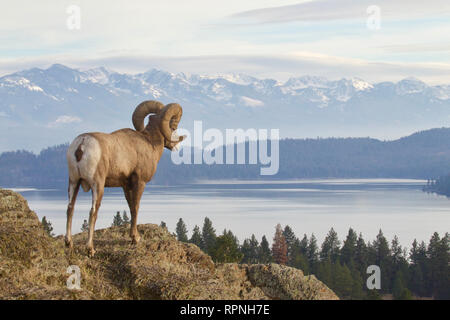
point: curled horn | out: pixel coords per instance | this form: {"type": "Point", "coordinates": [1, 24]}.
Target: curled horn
{"type": "Point", "coordinates": [170, 117]}
{"type": "Point", "coordinates": [143, 110]}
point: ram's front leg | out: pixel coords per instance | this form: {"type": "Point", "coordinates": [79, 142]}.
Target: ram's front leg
{"type": "Point", "coordinates": [133, 193]}
{"type": "Point", "coordinates": [97, 195]}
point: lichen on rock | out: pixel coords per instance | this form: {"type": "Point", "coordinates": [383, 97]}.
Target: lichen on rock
{"type": "Point", "coordinates": [34, 265]}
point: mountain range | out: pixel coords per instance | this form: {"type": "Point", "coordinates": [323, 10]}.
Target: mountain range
{"type": "Point", "coordinates": [42, 107]}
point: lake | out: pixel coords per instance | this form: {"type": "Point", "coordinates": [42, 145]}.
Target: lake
{"type": "Point", "coordinates": [398, 207]}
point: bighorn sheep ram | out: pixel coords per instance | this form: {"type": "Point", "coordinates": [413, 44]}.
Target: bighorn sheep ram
{"type": "Point", "coordinates": [124, 158]}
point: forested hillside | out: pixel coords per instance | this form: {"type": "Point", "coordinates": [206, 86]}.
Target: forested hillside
{"type": "Point", "coordinates": [424, 155]}
{"type": "Point", "coordinates": [420, 271]}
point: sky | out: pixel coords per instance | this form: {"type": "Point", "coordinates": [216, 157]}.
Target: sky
{"type": "Point", "coordinates": [376, 40]}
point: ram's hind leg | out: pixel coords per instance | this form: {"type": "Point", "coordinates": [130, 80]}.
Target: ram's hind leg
{"type": "Point", "coordinates": [73, 192]}
{"type": "Point", "coordinates": [97, 195]}
{"type": "Point", "coordinates": [133, 193]}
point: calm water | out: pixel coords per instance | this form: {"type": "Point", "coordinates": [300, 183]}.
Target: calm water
{"type": "Point", "coordinates": [308, 206]}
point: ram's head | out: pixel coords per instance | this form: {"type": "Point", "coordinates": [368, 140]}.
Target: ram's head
{"type": "Point", "coordinates": [166, 118]}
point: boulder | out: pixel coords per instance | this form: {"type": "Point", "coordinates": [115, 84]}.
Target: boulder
{"type": "Point", "coordinates": [34, 265]}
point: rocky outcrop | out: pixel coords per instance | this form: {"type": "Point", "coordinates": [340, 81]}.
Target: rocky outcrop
{"type": "Point", "coordinates": [34, 266]}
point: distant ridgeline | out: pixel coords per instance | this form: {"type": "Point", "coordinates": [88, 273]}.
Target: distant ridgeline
{"type": "Point", "coordinates": [423, 155]}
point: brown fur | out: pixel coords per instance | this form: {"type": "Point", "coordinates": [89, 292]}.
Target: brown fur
{"type": "Point", "coordinates": [129, 160]}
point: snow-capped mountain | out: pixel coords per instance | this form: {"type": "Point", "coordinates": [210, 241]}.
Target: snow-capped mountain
{"type": "Point", "coordinates": [41, 107]}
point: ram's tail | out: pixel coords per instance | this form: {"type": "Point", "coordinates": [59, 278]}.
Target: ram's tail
{"type": "Point", "coordinates": [83, 157]}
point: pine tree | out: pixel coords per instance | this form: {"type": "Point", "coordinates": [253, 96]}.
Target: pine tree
{"type": "Point", "coordinates": [417, 280]}
{"type": "Point", "coordinates": [298, 259]}
{"type": "Point", "coordinates": [196, 237]}
{"type": "Point", "coordinates": [443, 289]}
{"type": "Point", "coordinates": [47, 225]}
{"type": "Point", "coordinates": [264, 252]}
{"type": "Point", "coordinates": [181, 231]}
{"type": "Point", "coordinates": [419, 270]}
{"type": "Point", "coordinates": [330, 246]}
{"type": "Point", "coordinates": [382, 254]}
{"type": "Point", "coordinates": [304, 243]}
{"type": "Point", "coordinates": [413, 252]}
{"type": "Point", "coordinates": [117, 221]}
{"type": "Point", "coordinates": [208, 236]}
{"type": "Point", "coordinates": [290, 238]}
{"type": "Point", "coordinates": [396, 251]}
{"type": "Point", "coordinates": [342, 281]}
{"type": "Point", "coordinates": [249, 250]}
{"type": "Point", "coordinates": [399, 263]}
{"type": "Point", "coordinates": [125, 219]}
{"type": "Point", "coordinates": [163, 225]}
{"type": "Point", "coordinates": [254, 248]}
{"type": "Point", "coordinates": [357, 286]}
{"type": "Point", "coordinates": [438, 255]}
{"type": "Point", "coordinates": [348, 251]}
{"type": "Point", "coordinates": [279, 246]}
{"type": "Point", "coordinates": [324, 272]}
{"type": "Point", "coordinates": [84, 226]}
{"type": "Point", "coordinates": [312, 254]}
{"type": "Point", "coordinates": [398, 286]}
{"type": "Point", "coordinates": [361, 255]}
{"type": "Point", "coordinates": [432, 254]}
{"type": "Point", "coordinates": [246, 252]}
{"type": "Point", "coordinates": [226, 248]}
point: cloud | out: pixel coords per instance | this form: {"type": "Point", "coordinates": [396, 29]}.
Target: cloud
{"type": "Point", "coordinates": [329, 10]}
{"type": "Point", "coordinates": [177, 37]}
{"type": "Point", "coordinates": [62, 120]}
{"type": "Point", "coordinates": [418, 47]}
{"type": "Point", "coordinates": [67, 119]}
{"type": "Point", "coordinates": [153, 27]}
{"type": "Point", "coordinates": [249, 102]}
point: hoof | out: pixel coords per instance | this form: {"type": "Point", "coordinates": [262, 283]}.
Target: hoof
{"type": "Point", "coordinates": [135, 240]}
{"type": "Point", "coordinates": [69, 243]}
{"type": "Point", "coordinates": [91, 252]}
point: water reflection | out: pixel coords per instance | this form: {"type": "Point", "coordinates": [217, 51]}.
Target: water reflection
{"type": "Point", "coordinates": [246, 207]}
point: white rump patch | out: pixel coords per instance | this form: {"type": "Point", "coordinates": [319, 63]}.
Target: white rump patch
{"type": "Point", "coordinates": [87, 166]}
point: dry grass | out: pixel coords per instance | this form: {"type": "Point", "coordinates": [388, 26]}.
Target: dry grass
{"type": "Point", "coordinates": [33, 266]}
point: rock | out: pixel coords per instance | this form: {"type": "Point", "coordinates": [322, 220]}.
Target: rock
{"type": "Point", "coordinates": [281, 282]}
{"type": "Point", "coordinates": [34, 266]}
